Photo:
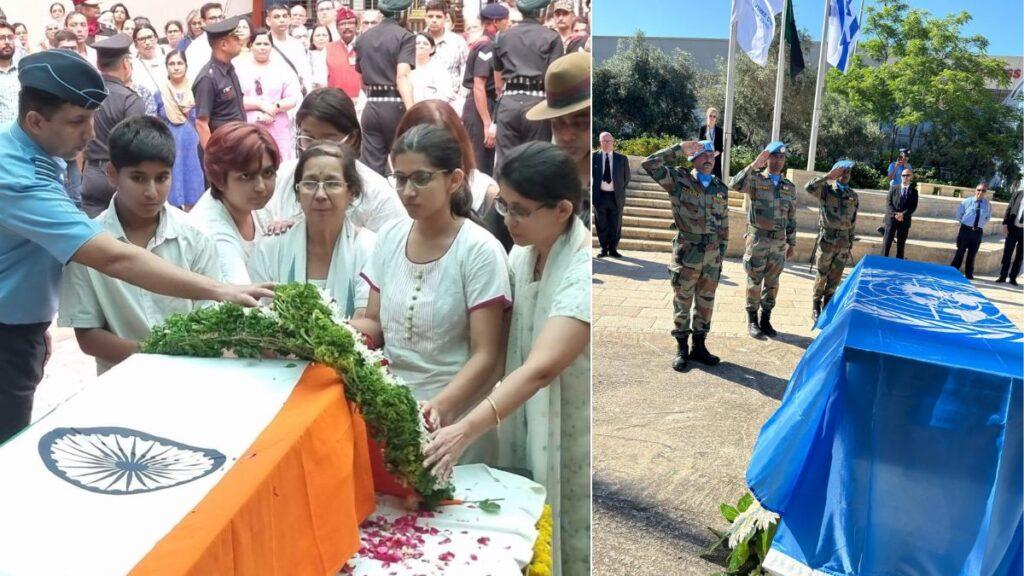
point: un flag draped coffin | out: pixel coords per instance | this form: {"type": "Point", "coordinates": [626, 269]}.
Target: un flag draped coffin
{"type": "Point", "coordinates": [897, 448]}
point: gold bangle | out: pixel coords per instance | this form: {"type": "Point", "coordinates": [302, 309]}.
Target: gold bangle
{"type": "Point", "coordinates": [495, 408]}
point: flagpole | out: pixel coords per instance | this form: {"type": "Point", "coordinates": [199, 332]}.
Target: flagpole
{"type": "Point", "coordinates": [819, 89]}
{"type": "Point", "coordinates": [730, 77]}
{"type": "Point", "coordinates": [780, 74]}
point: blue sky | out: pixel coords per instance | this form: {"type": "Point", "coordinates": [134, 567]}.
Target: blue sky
{"type": "Point", "coordinates": [1001, 21]}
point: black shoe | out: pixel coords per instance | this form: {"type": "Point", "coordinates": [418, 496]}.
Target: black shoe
{"type": "Point", "coordinates": [615, 253]}
{"type": "Point", "coordinates": [1001, 279]}
{"type": "Point", "coordinates": [603, 254]}
{"type": "Point", "coordinates": [1014, 281]}
{"type": "Point", "coordinates": [970, 277]}
{"type": "Point", "coordinates": [752, 325]}
{"type": "Point", "coordinates": [766, 324]}
{"type": "Point", "coordinates": [700, 352]}
{"type": "Point", "coordinates": [816, 311]}
{"type": "Point", "coordinates": [681, 361]}
{"type": "Point", "coordinates": [881, 230]}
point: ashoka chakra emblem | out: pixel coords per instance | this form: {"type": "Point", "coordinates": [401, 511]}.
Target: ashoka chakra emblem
{"type": "Point", "coordinates": [123, 461]}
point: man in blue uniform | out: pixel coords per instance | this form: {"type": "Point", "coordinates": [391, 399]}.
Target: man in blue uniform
{"type": "Point", "coordinates": [41, 230]}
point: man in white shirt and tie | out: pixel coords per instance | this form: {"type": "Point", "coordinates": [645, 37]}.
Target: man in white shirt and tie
{"type": "Point", "coordinates": [1013, 229]}
{"type": "Point", "coordinates": [608, 196]}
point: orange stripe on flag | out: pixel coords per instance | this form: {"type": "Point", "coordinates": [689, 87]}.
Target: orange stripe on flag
{"type": "Point", "coordinates": [291, 506]}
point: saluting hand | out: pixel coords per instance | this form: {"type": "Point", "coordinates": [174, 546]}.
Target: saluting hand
{"type": "Point", "coordinates": [690, 147]}
{"type": "Point", "coordinates": [835, 174]}
{"type": "Point", "coordinates": [762, 160]}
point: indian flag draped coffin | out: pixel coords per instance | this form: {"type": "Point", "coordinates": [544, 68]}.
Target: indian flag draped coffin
{"type": "Point", "coordinates": [897, 448]}
{"type": "Point", "coordinates": [173, 465]}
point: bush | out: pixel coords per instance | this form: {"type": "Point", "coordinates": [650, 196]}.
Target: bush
{"type": "Point", "coordinates": [864, 176]}
{"type": "Point", "coordinates": [645, 145]}
{"type": "Point", "coordinates": [1001, 195]}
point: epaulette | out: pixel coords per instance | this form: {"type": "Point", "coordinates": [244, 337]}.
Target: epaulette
{"type": "Point", "coordinates": [47, 168]}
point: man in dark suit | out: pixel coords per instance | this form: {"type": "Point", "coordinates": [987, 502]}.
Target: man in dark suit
{"type": "Point", "coordinates": [608, 194]}
{"type": "Point", "coordinates": [710, 131]}
{"type": "Point", "coordinates": [1013, 230]}
{"type": "Point", "coordinates": [898, 212]}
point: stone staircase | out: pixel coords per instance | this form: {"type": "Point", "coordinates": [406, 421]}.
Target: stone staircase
{"type": "Point", "coordinates": [647, 224]}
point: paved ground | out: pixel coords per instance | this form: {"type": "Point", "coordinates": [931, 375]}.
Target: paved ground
{"type": "Point", "coordinates": [668, 447]}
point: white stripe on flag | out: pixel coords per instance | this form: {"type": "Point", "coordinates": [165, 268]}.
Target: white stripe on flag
{"type": "Point", "coordinates": [843, 32]}
{"type": "Point", "coordinates": [755, 26]}
{"type": "Point", "coordinates": [178, 423]}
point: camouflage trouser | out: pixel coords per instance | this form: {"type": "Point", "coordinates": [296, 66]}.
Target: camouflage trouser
{"type": "Point", "coordinates": [763, 260]}
{"type": "Point", "coordinates": [694, 273]}
{"type": "Point", "coordinates": [835, 251]}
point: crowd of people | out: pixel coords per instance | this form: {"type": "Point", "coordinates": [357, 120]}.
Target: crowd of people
{"type": "Point", "coordinates": [434, 184]}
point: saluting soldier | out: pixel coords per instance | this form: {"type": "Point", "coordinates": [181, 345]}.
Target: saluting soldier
{"type": "Point", "coordinates": [41, 230]}
{"type": "Point", "coordinates": [218, 93]}
{"type": "Point", "coordinates": [478, 112]}
{"type": "Point", "coordinates": [114, 60]}
{"type": "Point", "coordinates": [700, 208]}
{"type": "Point", "coordinates": [837, 216]}
{"type": "Point", "coordinates": [770, 239]}
{"type": "Point", "coordinates": [521, 58]}
{"type": "Point", "coordinates": [385, 55]}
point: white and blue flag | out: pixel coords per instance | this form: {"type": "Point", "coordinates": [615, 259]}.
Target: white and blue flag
{"type": "Point", "coordinates": [843, 32]}
{"type": "Point", "coordinates": [755, 26]}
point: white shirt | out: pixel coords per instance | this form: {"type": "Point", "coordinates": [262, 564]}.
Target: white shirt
{"type": "Point", "coordinates": [451, 55]}
{"type": "Point", "coordinates": [425, 308]}
{"type": "Point", "coordinates": [297, 54]}
{"type": "Point", "coordinates": [479, 183]}
{"type": "Point", "coordinates": [233, 252]}
{"type": "Point", "coordinates": [197, 55]}
{"type": "Point", "coordinates": [378, 205]}
{"type": "Point", "coordinates": [283, 259]}
{"type": "Point", "coordinates": [90, 299]}
{"type": "Point", "coordinates": [610, 159]}
{"type": "Point", "coordinates": [431, 82]}
{"type": "Point", "coordinates": [150, 73]}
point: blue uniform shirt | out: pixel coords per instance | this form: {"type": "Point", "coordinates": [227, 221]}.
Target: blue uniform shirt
{"type": "Point", "coordinates": [966, 212]}
{"type": "Point", "coordinates": [897, 177]}
{"type": "Point", "coordinates": [40, 229]}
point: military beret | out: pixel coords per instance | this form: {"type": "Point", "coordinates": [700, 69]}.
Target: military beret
{"type": "Point", "coordinates": [844, 163]}
{"type": "Point", "coordinates": [393, 5]}
{"type": "Point", "coordinates": [707, 147]}
{"type": "Point", "coordinates": [64, 74]}
{"type": "Point", "coordinates": [494, 12]}
{"type": "Point", "coordinates": [116, 45]}
{"type": "Point", "coordinates": [563, 5]}
{"type": "Point", "coordinates": [776, 147]}
{"type": "Point", "coordinates": [222, 28]}
{"type": "Point", "coordinates": [345, 14]}
{"type": "Point", "coordinates": [532, 5]}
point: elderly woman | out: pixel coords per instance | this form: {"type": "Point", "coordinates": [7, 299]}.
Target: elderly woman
{"type": "Point", "coordinates": [328, 114]}
{"type": "Point", "coordinates": [241, 163]}
{"type": "Point", "coordinates": [324, 249]}
{"type": "Point", "coordinates": [544, 398]}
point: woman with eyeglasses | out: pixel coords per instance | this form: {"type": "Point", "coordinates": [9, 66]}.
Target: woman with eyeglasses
{"type": "Point", "coordinates": [49, 41]}
{"type": "Point", "coordinates": [174, 32]}
{"type": "Point", "coordinates": [244, 33]}
{"type": "Point", "coordinates": [176, 106]}
{"type": "Point", "coordinates": [325, 248]}
{"type": "Point", "coordinates": [21, 41]}
{"type": "Point", "coordinates": [543, 403]}
{"type": "Point", "coordinates": [328, 115]}
{"type": "Point", "coordinates": [241, 161]}
{"type": "Point", "coordinates": [269, 89]}
{"type": "Point", "coordinates": [194, 22]}
{"type": "Point", "coordinates": [149, 69]}
{"type": "Point", "coordinates": [439, 285]}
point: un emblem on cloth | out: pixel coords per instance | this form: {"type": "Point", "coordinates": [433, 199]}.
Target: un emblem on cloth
{"type": "Point", "coordinates": [122, 461]}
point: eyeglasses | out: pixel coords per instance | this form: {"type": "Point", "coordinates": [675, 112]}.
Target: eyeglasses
{"type": "Point", "coordinates": [145, 38]}
{"type": "Point", "coordinates": [305, 142]}
{"type": "Point", "coordinates": [419, 178]}
{"type": "Point", "coordinates": [979, 189]}
{"type": "Point", "coordinates": [6, 38]}
{"type": "Point", "coordinates": [501, 206]}
{"type": "Point", "coordinates": [314, 186]}
{"type": "Point", "coordinates": [906, 175]}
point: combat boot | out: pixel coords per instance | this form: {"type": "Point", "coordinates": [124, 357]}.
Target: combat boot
{"type": "Point", "coordinates": [682, 359]}
{"type": "Point", "coordinates": [752, 325]}
{"type": "Point", "coordinates": [816, 311]}
{"type": "Point", "coordinates": [700, 352]}
{"type": "Point", "coordinates": [766, 324]}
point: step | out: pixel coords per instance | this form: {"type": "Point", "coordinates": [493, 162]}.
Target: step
{"type": "Point", "coordinates": [661, 194]}
{"type": "Point", "coordinates": [921, 228]}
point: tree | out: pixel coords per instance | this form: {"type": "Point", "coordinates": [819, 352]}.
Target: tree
{"type": "Point", "coordinates": [926, 75]}
{"type": "Point", "coordinates": [642, 90]}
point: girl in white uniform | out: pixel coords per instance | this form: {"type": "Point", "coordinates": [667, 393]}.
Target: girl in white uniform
{"type": "Point", "coordinates": [439, 283]}
{"type": "Point", "coordinates": [325, 248]}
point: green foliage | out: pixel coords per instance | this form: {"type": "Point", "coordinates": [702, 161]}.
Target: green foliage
{"type": "Point", "coordinates": [641, 90]}
{"type": "Point", "coordinates": [746, 558]}
{"type": "Point", "coordinates": [645, 145]}
{"type": "Point", "coordinates": [301, 325]}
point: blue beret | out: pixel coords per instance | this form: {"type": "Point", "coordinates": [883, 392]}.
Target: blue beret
{"type": "Point", "coordinates": [776, 147]}
{"type": "Point", "coordinates": [494, 12]}
{"type": "Point", "coordinates": [844, 163]}
{"type": "Point", "coordinates": [708, 146]}
{"type": "Point", "coordinates": [64, 74]}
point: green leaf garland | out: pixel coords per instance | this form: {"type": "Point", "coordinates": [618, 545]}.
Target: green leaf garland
{"type": "Point", "coordinates": [302, 324]}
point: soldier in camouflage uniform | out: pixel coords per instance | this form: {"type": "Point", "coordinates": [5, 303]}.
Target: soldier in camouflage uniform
{"type": "Point", "coordinates": [771, 232]}
{"type": "Point", "coordinates": [838, 215]}
{"type": "Point", "coordinates": [700, 208]}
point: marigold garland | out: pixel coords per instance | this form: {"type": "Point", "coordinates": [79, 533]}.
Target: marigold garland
{"type": "Point", "coordinates": [542, 562]}
{"type": "Point", "coordinates": [303, 323]}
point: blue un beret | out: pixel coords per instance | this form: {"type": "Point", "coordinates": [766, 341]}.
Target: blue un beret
{"type": "Point", "coordinates": [844, 163]}
{"type": "Point", "coordinates": [708, 147]}
{"type": "Point", "coordinates": [64, 74]}
{"type": "Point", "coordinates": [776, 147]}
{"type": "Point", "coordinates": [494, 12]}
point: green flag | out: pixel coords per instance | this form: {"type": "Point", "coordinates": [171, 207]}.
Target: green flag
{"type": "Point", "coordinates": [796, 56]}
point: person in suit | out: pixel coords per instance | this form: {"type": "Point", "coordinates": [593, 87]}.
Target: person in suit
{"type": "Point", "coordinates": [1013, 229]}
{"type": "Point", "coordinates": [710, 131]}
{"type": "Point", "coordinates": [898, 212]}
{"type": "Point", "coordinates": [608, 196]}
